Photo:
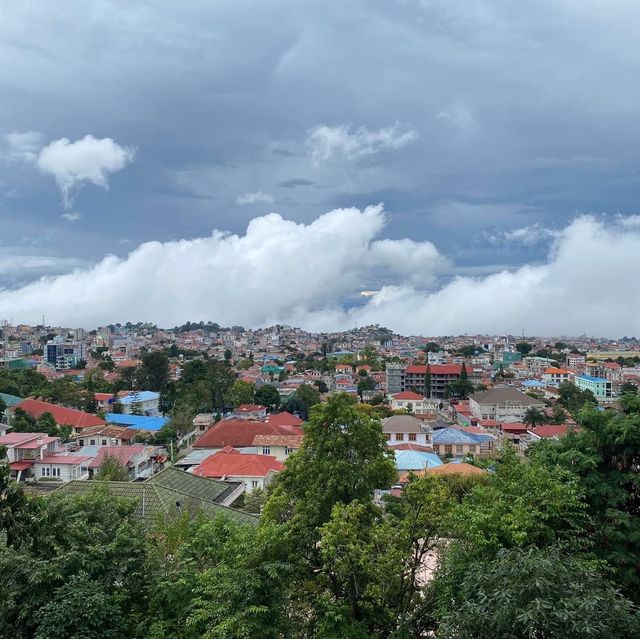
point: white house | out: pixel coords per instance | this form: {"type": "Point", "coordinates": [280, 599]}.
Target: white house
{"type": "Point", "coordinates": [503, 404]}
{"type": "Point", "coordinates": [556, 376]}
{"type": "Point", "coordinates": [414, 402]}
{"type": "Point", "coordinates": [406, 428]}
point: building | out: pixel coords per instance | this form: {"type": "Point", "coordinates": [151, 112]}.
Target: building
{"type": "Point", "coordinates": [255, 471]}
{"type": "Point", "coordinates": [556, 376]}
{"type": "Point", "coordinates": [141, 402]}
{"type": "Point", "coordinates": [105, 436]}
{"type": "Point", "coordinates": [413, 378]}
{"type": "Point", "coordinates": [413, 402]}
{"type": "Point", "coordinates": [77, 419]}
{"type": "Point", "coordinates": [250, 411]}
{"type": "Point", "coordinates": [406, 428]}
{"type": "Point", "coordinates": [600, 387]}
{"type": "Point", "coordinates": [63, 355]}
{"type": "Point", "coordinates": [454, 442]}
{"type": "Point", "coordinates": [576, 360]}
{"type": "Point", "coordinates": [504, 404]}
{"type": "Point", "coordinates": [280, 446]}
{"type": "Point", "coordinates": [241, 433]}
{"type": "Point", "coordinates": [140, 461]}
{"type": "Point", "coordinates": [138, 422]}
{"type": "Point", "coordinates": [414, 459]}
{"type": "Point", "coordinates": [202, 421]}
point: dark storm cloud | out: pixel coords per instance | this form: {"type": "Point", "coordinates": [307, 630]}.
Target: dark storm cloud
{"type": "Point", "coordinates": [516, 114]}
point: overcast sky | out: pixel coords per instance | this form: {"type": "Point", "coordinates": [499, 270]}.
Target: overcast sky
{"type": "Point", "coordinates": [497, 135]}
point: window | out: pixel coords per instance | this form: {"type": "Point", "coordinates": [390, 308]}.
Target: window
{"type": "Point", "coordinates": [388, 436]}
{"type": "Point", "coordinates": [93, 442]}
{"type": "Point", "coordinates": [104, 442]}
{"type": "Point", "coordinates": [472, 448]}
{"type": "Point", "coordinates": [399, 437]}
{"type": "Point", "coordinates": [266, 450]}
{"type": "Point", "coordinates": [448, 449]}
{"type": "Point", "coordinates": [459, 449]}
{"type": "Point", "coordinates": [81, 442]}
{"type": "Point", "coordinates": [412, 437]}
{"type": "Point", "coordinates": [288, 451]}
{"type": "Point", "coordinates": [42, 471]}
{"type": "Point", "coordinates": [55, 471]}
{"type": "Point", "coordinates": [254, 483]}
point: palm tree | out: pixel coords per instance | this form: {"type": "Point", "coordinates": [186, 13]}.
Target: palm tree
{"type": "Point", "coordinates": [534, 417]}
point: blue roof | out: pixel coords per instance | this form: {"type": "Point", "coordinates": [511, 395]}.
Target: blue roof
{"type": "Point", "coordinates": [141, 422]}
{"type": "Point", "coordinates": [456, 436]}
{"type": "Point", "coordinates": [533, 383]}
{"type": "Point", "coordinates": [416, 460]}
{"type": "Point", "coordinates": [142, 396]}
{"type": "Point", "coordinates": [591, 378]}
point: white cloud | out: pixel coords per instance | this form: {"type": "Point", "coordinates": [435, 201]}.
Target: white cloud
{"type": "Point", "coordinates": [86, 160]}
{"type": "Point", "coordinates": [22, 147]}
{"type": "Point", "coordinates": [525, 235]}
{"type": "Point", "coordinates": [299, 274]}
{"type": "Point", "coordinates": [253, 198]}
{"type": "Point", "coordinates": [326, 142]}
{"type": "Point", "coordinates": [71, 217]}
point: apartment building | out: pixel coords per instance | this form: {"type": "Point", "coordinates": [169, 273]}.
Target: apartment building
{"type": "Point", "coordinates": [413, 378]}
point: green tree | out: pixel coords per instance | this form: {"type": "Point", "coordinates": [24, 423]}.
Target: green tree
{"type": "Point", "coordinates": [432, 347]}
{"type": "Point", "coordinates": [268, 396]}
{"type": "Point", "coordinates": [241, 392]}
{"type": "Point", "coordinates": [90, 402]}
{"type": "Point", "coordinates": [532, 592]}
{"type": "Point", "coordinates": [112, 469]}
{"type": "Point", "coordinates": [321, 385]}
{"type": "Point", "coordinates": [302, 400]}
{"type": "Point", "coordinates": [3, 408]}
{"type": "Point", "coordinates": [574, 399]}
{"type": "Point", "coordinates": [524, 347]}
{"type": "Point", "coordinates": [153, 373]}
{"type": "Point", "coordinates": [366, 383]}
{"type": "Point", "coordinates": [167, 398]}
{"type": "Point", "coordinates": [558, 415]}
{"type": "Point", "coordinates": [534, 416]}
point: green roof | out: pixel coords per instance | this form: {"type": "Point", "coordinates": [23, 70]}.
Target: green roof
{"type": "Point", "coordinates": [155, 501]}
{"type": "Point", "coordinates": [200, 487]}
{"type": "Point", "coordinates": [10, 400]}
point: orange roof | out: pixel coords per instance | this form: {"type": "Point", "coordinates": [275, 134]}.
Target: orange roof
{"type": "Point", "coordinates": [408, 395]}
{"type": "Point", "coordinates": [230, 462]}
{"type": "Point", "coordinates": [284, 419]}
{"type": "Point", "coordinates": [556, 371]}
{"type": "Point", "coordinates": [241, 433]}
{"type": "Point", "coordinates": [455, 469]}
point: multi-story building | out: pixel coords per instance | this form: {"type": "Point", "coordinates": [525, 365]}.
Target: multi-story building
{"type": "Point", "coordinates": [503, 404]}
{"type": "Point", "coordinates": [600, 387]}
{"type": "Point", "coordinates": [64, 355]}
{"type": "Point", "coordinates": [440, 376]}
{"type": "Point", "coordinates": [576, 360]}
{"type": "Point", "coordinates": [556, 376]}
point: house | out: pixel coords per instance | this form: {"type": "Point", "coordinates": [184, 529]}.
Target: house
{"type": "Point", "coordinates": [600, 387]}
{"type": "Point", "coordinates": [345, 369]}
{"type": "Point", "coordinates": [240, 433]}
{"type": "Point", "coordinates": [280, 446]}
{"type": "Point", "coordinates": [41, 457]}
{"type": "Point", "coordinates": [414, 402]}
{"type": "Point", "coordinates": [250, 411]}
{"type": "Point", "coordinates": [415, 376]}
{"type": "Point", "coordinates": [104, 401]}
{"type": "Point", "coordinates": [455, 442]}
{"type": "Point", "coordinates": [202, 421]}
{"type": "Point", "coordinates": [406, 428]}
{"type": "Point", "coordinates": [556, 376]}
{"type": "Point", "coordinates": [142, 402]}
{"type": "Point", "coordinates": [283, 419]}
{"type": "Point", "coordinates": [454, 468]}
{"type": "Point", "coordinates": [77, 419]}
{"type": "Point", "coordinates": [140, 461]}
{"type": "Point", "coordinates": [255, 471]}
{"type": "Point", "coordinates": [105, 436]}
{"type": "Point", "coordinates": [550, 431]}
{"type": "Point", "coordinates": [504, 404]}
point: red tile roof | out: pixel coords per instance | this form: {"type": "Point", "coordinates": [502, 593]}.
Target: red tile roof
{"type": "Point", "coordinates": [122, 453]}
{"type": "Point", "coordinates": [230, 462]}
{"type": "Point", "coordinates": [240, 433]}
{"type": "Point", "coordinates": [62, 415]}
{"type": "Point", "coordinates": [552, 430]}
{"type": "Point", "coordinates": [284, 419]}
{"type": "Point", "coordinates": [408, 395]}
{"type": "Point", "coordinates": [63, 459]}
{"type": "Point", "coordinates": [250, 408]}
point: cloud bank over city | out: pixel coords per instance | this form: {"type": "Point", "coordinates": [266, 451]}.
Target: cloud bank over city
{"type": "Point", "coordinates": [309, 275]}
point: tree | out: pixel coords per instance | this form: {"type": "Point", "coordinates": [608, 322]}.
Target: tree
{"type": "Point", "coordinates": [112, 469]}
{"type": "Point", "coordinates": [90, 402]}
{"type": "Point", "coordinates": [227, 357]}
{"type": "Point", "coordinates": [167, 398]}
{"type": "Point", "coordinates": [135, 406]}
{"type": "Point", "coordinates": [366, 383]}
{"type": "Point", "coordinates": [240, 393]}
{"type": "Point", "coordinates": [574, 399]}
{"type": "Point", "coordinates": [432, 347]}
{"type": "Point", "coordinates": [533, 592]}
{"type": "Point", "coordinates": [605, 455]}
{"type": "Point", "coordinates": [268, 396]}
{"type": "Point", "coordinates": [558, 415]}
{"type": "Point", "coordinates": [153, 373]}
{"type": "Point", "coordinates": [3, 408]}
{"type": "Point", "coordinates": [302, 400]}
{"type": "Point", "coordinates": [321, 386]}
{"type": "Point", "coordinates": [534, 416]}
{"type": "Point", "coordinates": [524, 348]}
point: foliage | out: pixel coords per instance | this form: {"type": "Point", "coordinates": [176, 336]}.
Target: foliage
{"type": "Point", "coordinates": [302, 400]}
{"type": "Point", "coordinates": [153, 373]}
{"type": "Point", "coordinates": [241, 392]}
{"type": "Point", "coordinates": [112, 469]}
{"type": "Point", "coordinates": [532, 592]}
{"type": "Point", "coordinates": [574, 399]}
{"type": "Point", "coordinates": [524, 347]}
{"type": "Point", "coordinates": [534, 416]}
{"type": "Point", "coordinates": [268, 396]}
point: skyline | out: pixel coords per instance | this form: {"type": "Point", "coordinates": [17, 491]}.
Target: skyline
{"type": "Point", "coordinates": [229, 162]}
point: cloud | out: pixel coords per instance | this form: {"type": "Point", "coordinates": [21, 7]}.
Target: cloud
{"type": "Point", "coordinates": [253, 198]}
{"type": "Point", "coordinates": [22, 147]}
{"type": "Point", "coordinates": [302, 274]}
{"type": "Point", "coordinates": [526, 235]}
{"type": "Point", "coordinates": [326, 142]}
{"type": "Point", "coordinates": [294, 183]}
{"type": "Point", "coordinates": [86, 160]}
{"type": "Point", "coordinates": [71, 217]}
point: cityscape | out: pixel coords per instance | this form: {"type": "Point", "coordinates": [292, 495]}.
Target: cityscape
{"type": "Point", "coordinates": [319, 320]}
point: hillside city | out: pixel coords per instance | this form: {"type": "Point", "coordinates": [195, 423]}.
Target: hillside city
{"type": "Point", "coordinates": [476, 453]}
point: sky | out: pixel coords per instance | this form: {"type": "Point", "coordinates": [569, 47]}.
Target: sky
{"type": "Point", "coordinates": [475, 163]}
